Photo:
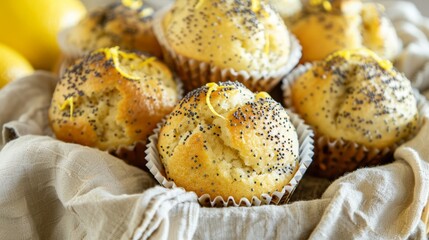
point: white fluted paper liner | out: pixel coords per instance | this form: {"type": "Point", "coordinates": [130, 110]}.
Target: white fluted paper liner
{"type": "Point", "coordinates": [305, 138]}
{"type": "Point", "coordinates": [196, 73]}
{"type": "Point", "coordinates": [135, 154]}
{"type": "Point", "coordinates": [334, 157]}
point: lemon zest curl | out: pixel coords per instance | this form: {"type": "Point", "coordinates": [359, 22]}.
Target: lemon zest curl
{"type": "Point", "coordinates": [212, 88]}
{"type": "Point", "coordinates": [69, 102]}
{"type": "Point", "coordinates": [114, 53]}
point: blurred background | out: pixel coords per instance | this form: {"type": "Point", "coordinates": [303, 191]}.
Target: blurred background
{"type": "Point", "coordinates": [91, 4]}
{"type": "Point", "coordinates": [29, 31]}
{"type": "Point", "coordinates": [423, 5]}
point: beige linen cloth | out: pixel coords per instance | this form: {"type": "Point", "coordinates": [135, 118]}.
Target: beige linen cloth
{"type": "Point", "coordinates": [55, 190]}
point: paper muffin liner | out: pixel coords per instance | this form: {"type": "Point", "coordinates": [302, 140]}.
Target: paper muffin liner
{"type": "Point", "coordinates": [335, 157]}
{"type": "Point", "coordinates": [305, 137]}
{"type": "Point", "coordinates": [135, 154]}
{"type": "Point", "coordinates": [196, 73]}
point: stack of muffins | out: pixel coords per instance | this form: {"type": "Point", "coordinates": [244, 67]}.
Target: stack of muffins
{"type": "Point", "coordinates": [227, 140]}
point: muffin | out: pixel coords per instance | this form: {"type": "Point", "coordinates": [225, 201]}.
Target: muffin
{"type": "Point", "coordinates": [224, 141]}
{"type": "Point", "coordinates": [359, 106]}
{"type": "Point", "coordinates": [344, 24]}
{"type": "Point", "coordinates": [127, 24]}
{"type": "Point", "coordinates": [112, 100]}
{"type": "Point", "coordinates": [211, 41]}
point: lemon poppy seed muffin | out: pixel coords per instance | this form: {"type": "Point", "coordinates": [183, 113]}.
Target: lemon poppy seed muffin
{"type": "Point", "coordinates": [357, 96]}
{"type": "Point", "coordinates": [326, 26]}
{"type": "Point", "coordinates": [224, 140]}
{"type": "Point", "coordinates": [360, 107]}
{"type": "Point", "coordinates": [127, 24]}
{"type": "Point", "coordinates": [210, 41]}
{"type": "Point", "coordinates": [230, 34]}
{"type": "Point", "coordinates": [111, 99]}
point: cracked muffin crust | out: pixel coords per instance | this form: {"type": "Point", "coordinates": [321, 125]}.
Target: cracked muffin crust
{"type": "Point", "coordinates": [112, 98]}
{"type": "Point", "coordinates": [224, 140]}
{"type": "Point", "coordinates": [356, 96]}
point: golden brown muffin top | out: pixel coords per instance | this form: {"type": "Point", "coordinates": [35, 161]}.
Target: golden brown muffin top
{"type": "Point", "coordinates": [243, 35]}
{"type": "Point", "coordinates": [127, 24]}
{"type": "Point", "coordinates": [326, 26]}
{"type": "Point", "coordinates": [112, 98]}
{"type": "Point", "coordinates": [224, 140]}
{"type": "Point", "coordinates": [357, 96]}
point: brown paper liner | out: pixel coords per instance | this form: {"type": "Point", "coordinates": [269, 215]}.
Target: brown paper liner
{"type": "Point", "coordinates": [335, 157]}
{"type": "Point", "coordinates": [305, 137]}
{"type": "Point", "coordinates": [196, 73]}
{"type": "Point", "coordinates": [133, 155]}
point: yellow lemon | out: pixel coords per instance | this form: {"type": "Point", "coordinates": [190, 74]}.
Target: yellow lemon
{"type": "Point", "coordinates": [12, 65]}
{"type": "Point", "coordinates": [31, 27]}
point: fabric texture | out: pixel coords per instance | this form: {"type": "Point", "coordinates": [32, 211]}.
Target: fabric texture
{"type": "Point", "coordinates": [55, 190]}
